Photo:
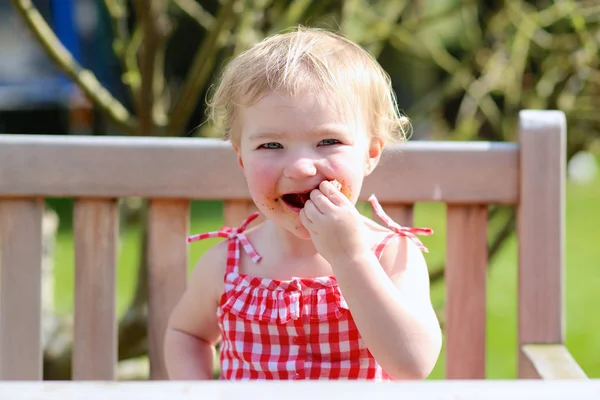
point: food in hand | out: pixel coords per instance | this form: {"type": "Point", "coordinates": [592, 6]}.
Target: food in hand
{"type": "Point", "coordinates": [336, 184]}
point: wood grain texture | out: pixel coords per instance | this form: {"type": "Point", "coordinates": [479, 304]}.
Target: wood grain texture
{"type": "Point", "coordinates": [95, 332]}
{"type": "Point", "coordinates": [466, 272]}
{"type": "Point", "coordinates": [20, 289]}
{"type": "Point", "coordinates": [541, 230]}
{"type": "Point", "coordinates": [104, 166]}
{"type": "Point", "coordinates": [168, 227]}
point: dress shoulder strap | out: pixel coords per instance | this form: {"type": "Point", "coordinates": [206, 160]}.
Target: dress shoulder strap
{"type": "Point", "coordinates": [410, 233]}
{"type": "Point", "coordinates": [236, 237]}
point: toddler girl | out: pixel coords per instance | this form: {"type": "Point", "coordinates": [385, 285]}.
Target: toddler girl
{"type": "Point", "coordinates": [316, 291]}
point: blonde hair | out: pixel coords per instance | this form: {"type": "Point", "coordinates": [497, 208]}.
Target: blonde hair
{"type": "Point", "coordinates": [310, 59]}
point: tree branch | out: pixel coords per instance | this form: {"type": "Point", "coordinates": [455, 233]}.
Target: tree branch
{"type": "Point", "coordinates": [151, 15]}
{"type": "Point", "coordinates": [84, 78]}
{"type": "Point", "coordinates": [117, 10]}
{"type": "Point", "coordinates": [199, 71]}
{"type": "Point", "coordinates": [383, 29]}
{"type": "Point", "coordinates": [197, 13]}
{"type": "Point", "coordinates": [292, 14]}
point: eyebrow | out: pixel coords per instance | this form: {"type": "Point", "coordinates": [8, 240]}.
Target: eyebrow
{"type": "Point", "coordinates": [278, 135]}
{"type": "Point", "coordinates": [265, 135]}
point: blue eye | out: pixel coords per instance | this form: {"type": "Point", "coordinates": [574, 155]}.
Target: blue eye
{"type": "Point", "coordinates": [329, 142]}
{"type": "Point", "coordinates": [271, 145]}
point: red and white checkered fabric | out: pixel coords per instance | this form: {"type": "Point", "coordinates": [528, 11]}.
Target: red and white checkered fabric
{"type": "Point", "coordinates": [294, 329]}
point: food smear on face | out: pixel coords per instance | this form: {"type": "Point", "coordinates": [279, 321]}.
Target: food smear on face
{"type": "Point", "coordinates": [270, 202]}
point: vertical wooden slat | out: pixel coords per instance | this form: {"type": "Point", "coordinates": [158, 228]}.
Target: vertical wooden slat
{"type": "Point", "coordinates": [401, 213]}
{"type": "Point", "coordinates": [95, 333]}
{"type": "Point", "coordinates": [466, 267]}
{"type": "Point", "coordinates": [541, 229]}
{"type": "Point", "coordinates": [168, 227]}
{"type": "Point", "coordinates": [235, 211]}
{"type": "Point", "coordinates": [20, 289]}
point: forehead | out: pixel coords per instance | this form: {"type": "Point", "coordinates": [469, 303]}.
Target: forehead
{"type": "Point", "coordinates": [306, 113]}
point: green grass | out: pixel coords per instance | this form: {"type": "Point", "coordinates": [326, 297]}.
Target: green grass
{"type": "Point", "coordinates": [582, 277]}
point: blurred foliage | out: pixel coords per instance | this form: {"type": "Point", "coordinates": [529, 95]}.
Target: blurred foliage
{"type": "Point", "coordinates": [462, 69]}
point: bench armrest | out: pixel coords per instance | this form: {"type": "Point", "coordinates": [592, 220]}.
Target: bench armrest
{"type": "Point", "coordinates": [553, 361]}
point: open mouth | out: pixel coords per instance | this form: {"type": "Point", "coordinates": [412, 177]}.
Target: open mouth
{"type": "Point", "coordinates": [296, 200]}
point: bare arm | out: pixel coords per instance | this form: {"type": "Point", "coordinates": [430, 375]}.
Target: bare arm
{"type": "Point", "coordinates": [392, 309]}
{"type": "Point", "coordinates": [188, 357]}
{"type": "Point", "coordinates": [193, 331]}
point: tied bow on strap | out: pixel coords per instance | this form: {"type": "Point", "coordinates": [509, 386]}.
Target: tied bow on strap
{"type": "Point", "coordinates": [233, 233]}
{"type": "Point", "coordinates": [410, 233]}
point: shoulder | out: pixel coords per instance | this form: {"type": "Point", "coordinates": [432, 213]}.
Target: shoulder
{"type": "Point", "coordinates": [402, 259]}
{"type": "Point", "coordinates": [214, 254]}
{"type": "Point", "coordinates": [209, 270]}
{"type": "Point", "coordinates": [402, 255]}
{"type": "Point", "coordinates": [195, 312]}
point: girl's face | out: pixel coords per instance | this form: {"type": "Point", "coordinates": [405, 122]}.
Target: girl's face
{"type": "Point", "coordinates": [287, 147]}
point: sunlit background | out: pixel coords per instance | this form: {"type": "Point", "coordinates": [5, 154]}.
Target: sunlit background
{"type": "Point", "coordinates": [461, 71]}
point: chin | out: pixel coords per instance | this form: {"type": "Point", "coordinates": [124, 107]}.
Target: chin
{"type": "Point", "coordinates": [297, 229]}
{"type": "Point", "coordinates": [301, 232]}
{"type": "Point", "coordinates": [286, 220]}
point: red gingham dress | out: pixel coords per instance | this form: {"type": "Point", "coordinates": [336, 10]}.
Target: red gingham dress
{"type": "Point", "coordinates": [291, 329]}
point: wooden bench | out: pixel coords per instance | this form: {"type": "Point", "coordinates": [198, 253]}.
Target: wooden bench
{"type": "Point", "coordinates": [170, 172]}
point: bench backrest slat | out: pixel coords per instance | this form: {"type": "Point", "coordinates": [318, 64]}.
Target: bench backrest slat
{"type": "Point", "coordinates": [466, 270]}
{"type": "Point", "coordinates": [95, 236]}
{"type": "Point", "coordinates": [168, 227]}
{"type": "Point", "coordinates": [20, 288]}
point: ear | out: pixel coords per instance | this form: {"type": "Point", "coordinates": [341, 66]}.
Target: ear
{"type": "Point", "coordinates": [238, 154]}
{"type": "Point", "coordinates": [373, 155]}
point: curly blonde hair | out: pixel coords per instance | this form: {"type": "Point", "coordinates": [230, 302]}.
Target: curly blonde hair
{"type": "Point", "coordinates": [313, 60]}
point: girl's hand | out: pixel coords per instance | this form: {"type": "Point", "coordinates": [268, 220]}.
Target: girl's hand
{"type": "Point", "coordinates": [336, 227]}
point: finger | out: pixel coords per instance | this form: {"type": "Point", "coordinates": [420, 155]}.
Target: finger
{"type": "Point", "coordinates": [306, 221]}
{"type": "Point", "coordinates": [335, 196]}
{"type": "Point", "coordinates": [320, 201]}
{"type": "Point", "coordinates": [311, 210]}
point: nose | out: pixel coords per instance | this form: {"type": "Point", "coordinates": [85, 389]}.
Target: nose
{"type": "Point", "coordinates": [300, 167]}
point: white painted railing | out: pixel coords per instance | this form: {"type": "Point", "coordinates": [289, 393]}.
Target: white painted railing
{"type": "Point", "coordinates": [288, 390]}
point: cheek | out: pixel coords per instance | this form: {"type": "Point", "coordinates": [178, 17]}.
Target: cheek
{"type": "Point", "coordinates": [260, 175]}
{"type": "Point", "coordinates": [350, 175]}
{"type": "Point", "coordinates": [262, 180]}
